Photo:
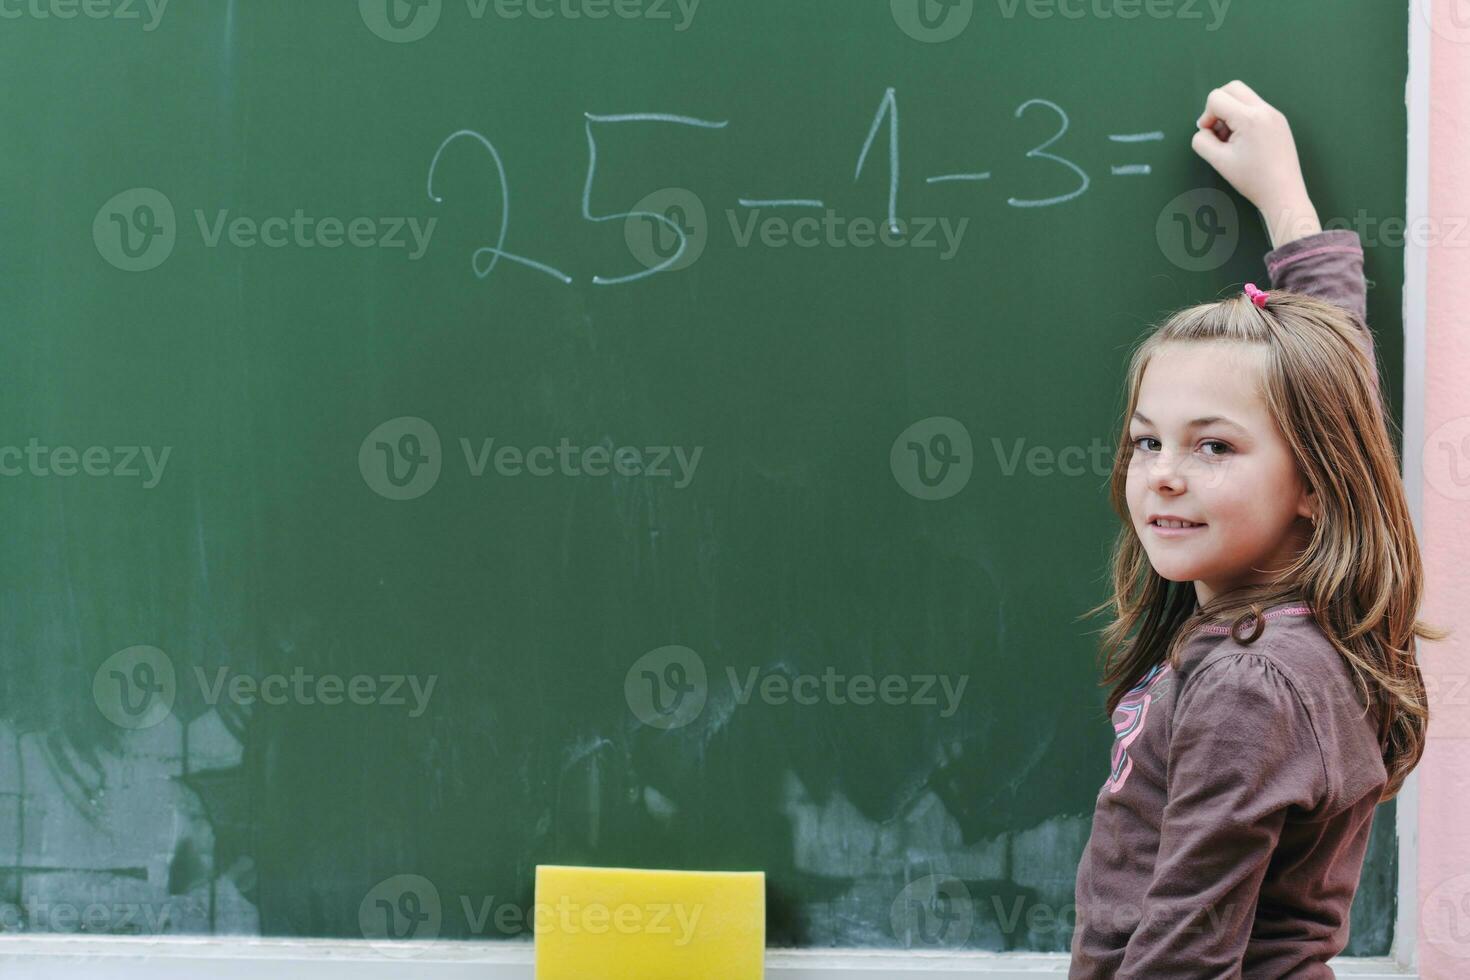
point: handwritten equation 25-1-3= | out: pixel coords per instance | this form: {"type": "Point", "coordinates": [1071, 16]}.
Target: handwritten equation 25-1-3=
{"type": "Point", "coordinates": [485, 259]}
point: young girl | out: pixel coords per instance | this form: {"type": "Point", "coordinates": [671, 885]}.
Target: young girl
{"type": "Point", "coordinates": [1265, 694]}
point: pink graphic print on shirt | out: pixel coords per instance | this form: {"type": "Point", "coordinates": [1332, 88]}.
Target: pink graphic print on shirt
{"type": "Point", "coordinates": [1128, 721]}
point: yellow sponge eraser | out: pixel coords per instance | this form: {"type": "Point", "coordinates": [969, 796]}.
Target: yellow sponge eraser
{"type": "Point", "coordinates": [635, 924]}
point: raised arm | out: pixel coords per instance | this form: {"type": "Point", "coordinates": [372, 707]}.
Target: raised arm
{"type": "Point", "coordinates": [1329, 266]}
{"type": "Point", "coordinates": [1249, 142]}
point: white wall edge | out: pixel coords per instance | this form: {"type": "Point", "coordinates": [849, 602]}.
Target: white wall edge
{"type": "Point", "coordinates": [151, 958]}
{"type": "Point", "coordinates": [1405, 949]}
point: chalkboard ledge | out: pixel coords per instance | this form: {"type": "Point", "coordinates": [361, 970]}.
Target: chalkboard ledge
{"type": "Point", "coordinates": [73, 957]}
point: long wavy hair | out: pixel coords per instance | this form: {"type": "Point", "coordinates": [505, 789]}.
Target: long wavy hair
{"type": "Point", "coordinates": [1360, 573]}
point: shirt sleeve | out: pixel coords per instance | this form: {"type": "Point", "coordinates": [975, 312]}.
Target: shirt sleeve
{"type": "Point", "coordinates": [1243, 751]}
{"type": "Point", "coordinates": [1328, 266]}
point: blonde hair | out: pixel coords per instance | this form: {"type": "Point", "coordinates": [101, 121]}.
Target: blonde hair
{"type": "Point", "coordinates": [1360, 573]}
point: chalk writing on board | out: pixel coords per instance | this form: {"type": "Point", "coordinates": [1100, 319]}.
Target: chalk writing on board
{"type": "Point", "coordinates": [498, 251]}
{"type": "Point", "coordinates": [746, 202]}
{"type": "Point", "coordinates": [888, 109]}
{"type": "Point", "coordinates": [1134, 169]}
{"type": "Point", "coordinates": [1040, 152]}
{"type": "Point", "coordinates": [624, 215]}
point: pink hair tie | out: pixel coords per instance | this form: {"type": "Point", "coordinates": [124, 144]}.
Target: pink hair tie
{"type": "Point", "coordinates": [1257, 296]}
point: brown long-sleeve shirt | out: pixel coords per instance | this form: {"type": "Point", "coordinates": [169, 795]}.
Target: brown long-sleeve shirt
{"type": "Point", "coordinates": [1229, 836]}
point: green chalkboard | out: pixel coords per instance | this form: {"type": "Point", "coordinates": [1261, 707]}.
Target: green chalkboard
{"type": "Point", "coordinates": [442, 438]}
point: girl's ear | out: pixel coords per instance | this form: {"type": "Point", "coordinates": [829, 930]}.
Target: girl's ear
{"type": "Point", "coordinates": [1307, 504]}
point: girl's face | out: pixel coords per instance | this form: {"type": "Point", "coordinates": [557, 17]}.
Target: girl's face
{"type": "Point", "coordinates": [1206, 449]}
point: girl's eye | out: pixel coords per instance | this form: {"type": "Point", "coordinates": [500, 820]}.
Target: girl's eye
{"type": "Point", "coordinates": [1224, 447]}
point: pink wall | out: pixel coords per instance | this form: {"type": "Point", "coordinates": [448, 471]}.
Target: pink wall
{"type": "Point", "coordinates": [1444, 774]}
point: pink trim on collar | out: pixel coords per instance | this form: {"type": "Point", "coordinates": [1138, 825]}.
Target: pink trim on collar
{"type": "Point", "coordinates": [1222, 630]}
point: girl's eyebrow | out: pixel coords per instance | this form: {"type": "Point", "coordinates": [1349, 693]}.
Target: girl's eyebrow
{"type": "Point", "coordinates": [1197, 423]}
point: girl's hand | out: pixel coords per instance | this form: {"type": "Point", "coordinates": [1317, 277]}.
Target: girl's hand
{"type": "Point", "coordinates": [1249, 142]}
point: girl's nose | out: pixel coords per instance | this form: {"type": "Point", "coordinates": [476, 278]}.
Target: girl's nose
{"type": "Point", "coordinates": [1165, 473]}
